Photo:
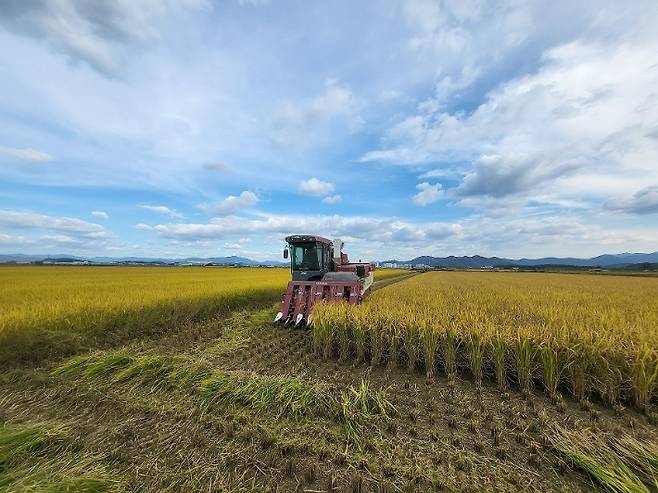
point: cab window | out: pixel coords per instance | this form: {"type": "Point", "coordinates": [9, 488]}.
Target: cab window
{"type": "Point", "coordinates": [306, 256]}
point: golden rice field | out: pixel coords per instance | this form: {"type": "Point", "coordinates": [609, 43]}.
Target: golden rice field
{"type": "Point", "coordinates": [581, 333]}
{"type": "Point", "coordinates": [48, 310]}
{"type": "Point", "coordinates": [54, 310]}
{"type": "Point", "coordinates": [382, 274]}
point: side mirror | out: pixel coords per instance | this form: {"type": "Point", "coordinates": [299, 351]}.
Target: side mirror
{"type": "Point", "coordinates": [285, 253]}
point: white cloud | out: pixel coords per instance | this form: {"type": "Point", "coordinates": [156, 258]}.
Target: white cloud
{"type": "Point", "coordinates": [332, 199]}
{"type": "Point", "coordinates": [644, 201]}
{"type": "Point", "coordinates": [232, 246]}
{"type": "Point", "coordinates": [163, 209]}
{"type": "Point", "coordinates": [59, 239]}
{"type": "Point", "coordinates": [313, 186]}
{"type": "Point", "coordinates": [101, 214]}
{"type": "Point", "coordinates": [583, 126]}
{"type": "Point", "coordinates": [254, 2]}
{"type": "Point", "coordinates": [389, 236]}
{"type": "Point", "coordinates": [446, 172]}
{"type": "Point", "coordinates": [232, 203]}
{"type": "Point", "coordinates": [10, 240]}
{"type": "Point", "coordinates": [294, 124]}
{"type": "Point", "coordinates": [143, 227]}
{"type": "Point", "coordinates": [26, 154]}
{"type": "Point", "coordinates": [93, 32]}
{"type": "Point", "coordinates": [428, 194]}
{"type": "Point", "coordinates": [62, 225]}
{"type": "Point", "coordinates": [66, 231]}
{"type": "Point", "coordinates": [356, 227]}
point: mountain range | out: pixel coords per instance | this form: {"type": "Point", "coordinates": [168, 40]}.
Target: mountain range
{"type": "Point", "coordinates": [619, 260]}
{"type": "Point", "coordinates": [64, 258]}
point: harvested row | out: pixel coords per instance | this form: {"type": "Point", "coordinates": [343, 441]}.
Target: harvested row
{"type": "Point", "coordinates": [355, 407]}
{"type": "Point", "coordinates": [588, 334]}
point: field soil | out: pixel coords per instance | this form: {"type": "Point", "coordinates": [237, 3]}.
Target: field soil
{"type": "Point", "coordinates": [235, 403]}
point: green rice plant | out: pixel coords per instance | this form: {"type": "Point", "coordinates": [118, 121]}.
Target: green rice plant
{"type": "Point", "coordinates": [618, 468]}
{"type": "Point", "coordinates": [363, 406]}
{"type": "Point", "coordinates": [38, 457]}
{"type": "Point", "coordinates": [95, 365]}
{"type": "Point", "coordinates": [19, 441]}
{"type": "Point", "coordinates": [281, 395]}
{"type": "Point", "coordinates": [148, 370]}
{"type": "Point", "coordinates": [641, 455]}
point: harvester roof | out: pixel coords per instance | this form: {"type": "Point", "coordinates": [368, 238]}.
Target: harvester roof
{"type": "Point", "coordinates": [307, 238]}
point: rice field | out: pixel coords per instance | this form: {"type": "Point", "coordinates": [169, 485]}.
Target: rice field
{"type": "Point", "coordinates": [175, 379]}
{"type": "Point", "coordinates": [586, 335]}
{"type": "Point", "coordinates": [48, 311]}
{"type": "Point", "coordinates": [383, 274]}
{"type": "Point", "coordinates": [53, 310]}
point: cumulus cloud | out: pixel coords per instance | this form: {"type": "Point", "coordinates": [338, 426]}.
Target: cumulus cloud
{"type": "Point", "coordinates": [101, 214]}
{"type": "Point", "coordinates": [64, 225]}
{"type": "Point", "coordinates": [163, 209]}
{"type": "Point", "coordinates": [59, 239]}
{"type": "Point", "coordinates": [294, 124]}
{"type": "Point", "coordinates": [232, 203]}
{"type": "Point", "coordinates": [313, 186]}
{"type": "Point", "coordinates": [499, 176]}
{"type": "Point", "coordinates": [447, 172]}
{"type": "Point", "coordinates": [143, 227]}
{"type": "Point", "coordinates": [92, 32]}
{"type": "Point", "coordinates": [232, 246]}
{"type": "Point", "coordinates": [332, 199]}
{"type": "Point", "coordinates": [12, 240]}
{"type": "Point", "coordinates": [26, 154]}
{"type": "Point", "coordinates": [644, 201]}
{"type": "Point", "coordinates": [551, 235]}
{"type": "Point", "coordinates": [428, 194]}
{"type": "Point", "coordinates": [581, 125]}
{"type": "Point", "coordinates": [355, 227]}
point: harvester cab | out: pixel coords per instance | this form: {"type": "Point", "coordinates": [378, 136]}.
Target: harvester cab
{"type": "Point", "coordinates": [320, 271]}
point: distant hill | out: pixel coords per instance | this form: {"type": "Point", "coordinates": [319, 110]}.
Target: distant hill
{"type": "Point", "coordinates": [610, 261]}
{"type": "Point", "coordinates": [620, 260]}
{"type": "Point", "coordinates": [230, 260]}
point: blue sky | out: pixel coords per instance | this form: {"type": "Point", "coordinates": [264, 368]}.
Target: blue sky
{"type": "Point", "coordinates": [405, 127]}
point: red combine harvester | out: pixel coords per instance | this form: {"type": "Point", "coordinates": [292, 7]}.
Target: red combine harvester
{"type": "Point", "coordinates": [321, 271]}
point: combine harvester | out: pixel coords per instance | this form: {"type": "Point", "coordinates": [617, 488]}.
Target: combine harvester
{"type": "Point", "coordinates": [321, 271]}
